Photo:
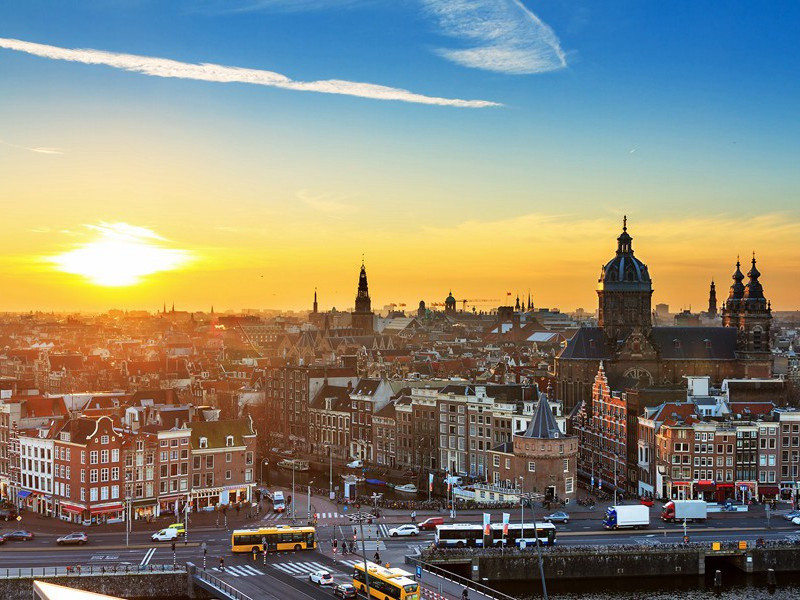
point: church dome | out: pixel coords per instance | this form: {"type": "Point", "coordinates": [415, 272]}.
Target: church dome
{"type": "Point", "coordinates": [625, 271]}
{"type": "Point", "coordinates": [450, 300]}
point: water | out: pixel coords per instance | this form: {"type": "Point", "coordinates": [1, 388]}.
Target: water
{"type": "Point", "coordinates": [319, 479]}
{"type": "Point", "coordinates": [736, 586]}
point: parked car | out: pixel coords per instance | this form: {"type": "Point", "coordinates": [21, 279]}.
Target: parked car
{"type": "Point", "coordinates": [79, 538]}
{"type": "Point", "coordinates": [404, 530]}
{"type": "Point", "coordinates": [321, 578]}
{"type": "Point", "coordinates": [431, 522]}
{"type": "Point", "coordinates": [791, 515]}
{"type": "Point", "coordinates": [165, 535]}
{"type": "Point", "coordinates": [557, 517]}
{"type": "Point", "coordinates": [7, 513]}
{"type": "Point", "coordinates": [345, 590]}
{"type": "Point", "coordinates": [21, 535]}
{"type": "Point", "coordinates": [179, 527]}
{"type": "Point", "coordinates": [356, 464]}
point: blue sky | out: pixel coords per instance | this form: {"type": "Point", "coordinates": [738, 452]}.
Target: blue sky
{"type": "Point", "coordinates": [681, 114]}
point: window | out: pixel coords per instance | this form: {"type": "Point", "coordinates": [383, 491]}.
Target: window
{"type": "Point", "coordinates": [248, 475]}
{"type": "Point", "coordinates": [196, 480]}
{"type": "Point", "coordinates": [496, 461]}
{"type": "Point", "coordinates": [104, 439]}
{"type": "Point", "coordinates": [569, 485]}
{"type": "Point", "coordinates": [115, 474]}
{"type": "Point", "coordinates": [104, 456]}
{"type": "Point", "coordinates": [83, 457]}
{"type": "Point", "coordinates": [227, 474]}
{"type": "Point", "coordinates": [209, 462]}
{"type": "Point", "coordinates": [93, 476]}
{"type": "Point", "coordinates": [93, 494]}
{"type": "Point", "coordinates": [83, 494]}
{"type": "Point", "coordinates": [228, 457]}
{"type": "Point", "coordinates": [164, 457]}
{"type": "Point", "coordinates": [203, 442]}
{"type": "Point", "coordinates": [103, 474]}
{"type": "Point", "coordinates": [114, 492]}
{"type": "Point", "coordinates": [566, 465]}
{"type": "Point", "coordinates": [531, 466]}
{"type": "Point", "coordinates": [115, 455]}
{"type": "Point", "coordinates": [508, 463]}
{"type": "Point", "coordinates": [196, 462]}
{"type": "Point", "coordinates": [229, 441]}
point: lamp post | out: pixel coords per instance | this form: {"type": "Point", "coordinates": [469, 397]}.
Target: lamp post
{"type": "Point", "coordinates": [186, 518]}
{"type": "Point", "coordinates": [127, 519]}
{"type": "Point", "coordinates": [330, 472]}
{"type": "Point", "coordinates": [264, 462]}
{"type": "Point", "coordinates": [522, 505]}
{"type": "Point", "coordinates": [308, 500]}
{"type": "Point", "coordinates": [294, 500]}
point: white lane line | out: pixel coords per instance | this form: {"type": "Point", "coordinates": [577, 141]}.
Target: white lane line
{"type": "Point", "coordinates": [147, 557]}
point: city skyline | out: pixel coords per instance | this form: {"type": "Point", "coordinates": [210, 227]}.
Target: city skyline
{"type": "Point", "coordinates": [258, 153]}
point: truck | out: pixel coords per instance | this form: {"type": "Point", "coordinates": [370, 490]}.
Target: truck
{"type": "Point", "coordinates": [632, 516]}
{"type": "Point", "coordinates": [690, 510]}
{"type": "Point", "coordinates": [278, 502]}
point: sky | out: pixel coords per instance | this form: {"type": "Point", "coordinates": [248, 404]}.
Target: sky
{"type": "Point", "coordinates": [241, 153]}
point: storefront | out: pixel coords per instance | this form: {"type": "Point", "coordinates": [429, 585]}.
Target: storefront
{"type": "Point", "coordinates": [680, 490]}
{"type": "Point", "coordinates": [745, 491]}
{"type": "Point", "coordinates": [72, 513]}
{"type": "Point", "coordinates": [788, 490]}
{"type": "Point", "coordinates": [768, 492]}
{"type": "Point", "coordinates": [208, 499]}
{"type": "Point", "coordinates": [705, 489]}
{"type": "Point", "coordinates": [144, 509]}
{"type": "Point", "coordinates": [106, 513]}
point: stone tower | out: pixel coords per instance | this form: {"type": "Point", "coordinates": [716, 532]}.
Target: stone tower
{"type": "Point", "coordinates": [362, 318]}
{"type": "Point", "coordinates": [750, 313]}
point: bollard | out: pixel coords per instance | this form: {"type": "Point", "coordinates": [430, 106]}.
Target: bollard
{"type": "Point", "coordinates": [771, 578]}
{"type": "Point", "coordinates": [718, 578]}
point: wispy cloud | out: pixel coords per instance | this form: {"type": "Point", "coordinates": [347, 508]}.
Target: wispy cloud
{"type": "Point", "coordinates": [326, 203]}
{"type": "Point", "coordinates": [163, 67]}
{"type": "Point", "coordinates": [504, 36]}
{"type": "Point", "coordinates": [234, 6]}
{"type": "Point", "coordinates": [37, 149]}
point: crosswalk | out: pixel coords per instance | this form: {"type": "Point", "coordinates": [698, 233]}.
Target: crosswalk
{"type": "Point", "coordinates": [239, 570]}
{"type": "Point", "coordinates": [328, 515]}
{"type": "Point", "coordinates": [272, 517]}
{"type": "Point", "coordinates": [384, 530]}
{"type": "Point", "coordinates": [304, 569]}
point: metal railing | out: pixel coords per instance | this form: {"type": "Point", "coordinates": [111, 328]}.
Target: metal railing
{"type": "Point", "coordinates": [220, 585]}
{"type": "Point", "coordinates": [86, 570]}
{"type": "Point", "coordinates": [458, 579]}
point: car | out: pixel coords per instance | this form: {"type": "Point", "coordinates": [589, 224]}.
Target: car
{"type": "Point", "coordinates": [8, 513]}
{"type": "Point", "coordinates": [321, 578]}
{"type": "Point", "coordinates": [791, 515]}
{"type": "Point", "coordinates": [356, 464]}
{"type": "Point", "coordinates": [345, 590]}
{"type": "Point", "coordinates": [557, 517]}
{"type": "Point", "coordinates": [21, 535]}
{"type": "Point", "coordinates": [796, 521]}
{"type": "Point", "coordinates": [179, 527]}
{"type": "Point", "coordinates": [165, 535]}
{"type": "Point", "coordinates": [404, 530]}
{"type": "Point", "coordinates": [2, 539]}
{"type": "Point", "coordinates": [431, 522]}
{"type": "Point", "coordinates": [78, 537]}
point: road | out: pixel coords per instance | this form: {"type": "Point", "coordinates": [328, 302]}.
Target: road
{"type": "Point", "coordinates": [286, 574]}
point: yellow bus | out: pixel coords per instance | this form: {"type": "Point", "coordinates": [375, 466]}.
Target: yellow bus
{"type": "Point", "coordinates": [386, 584]}
{"type": "Point", "coordinates": [272, 539]}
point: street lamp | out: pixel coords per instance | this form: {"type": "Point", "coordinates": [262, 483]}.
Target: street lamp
{"type": "Point", "coordinates": [522, 505]}
{"type": "Point", "coordinates": [294, 500]}
{"type": "Point", "coordinates": [264, 462]}
{"type": "Point", "coordinates": [330, 473]}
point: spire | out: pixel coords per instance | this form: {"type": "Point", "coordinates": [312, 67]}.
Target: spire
{"type": "Point", "coordinates": [543, 425]}
{"type": "Point", "coordinates": [624, 239]}
{"type": "Point", "coordinates": [737, 289]}
{"type": "Point", "coordinates": [315, 300]}
{"type": "Point", "coordinates": [753, 289]}
{"type": "Point", "coordinates": [712, 300]}
{"type": "Point", "coordinates": [363, 303]}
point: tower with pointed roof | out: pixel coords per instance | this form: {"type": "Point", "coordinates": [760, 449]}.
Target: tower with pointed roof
{"type": "Point", "coordinates": [712, 300]}
{"type": "Point", "coordinates": [749, 312]}
{"type": "Point", "coordinates": [314, 310]}
{"type": "Point", "coordinates": [624, 291]}
{"type": "Point", "coordinates": [362, 318]}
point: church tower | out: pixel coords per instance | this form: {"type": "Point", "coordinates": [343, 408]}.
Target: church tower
{"type": "Point", "coordinates": [624, 292]}
{"type": "Point", "coordinates": [315, 301]}
{"type": "Point", "coordinates": [712, 300]}
{"type": "Point", "coordinates": [362, 318]}
{"type": "Point", "coordinates": [750, 313]}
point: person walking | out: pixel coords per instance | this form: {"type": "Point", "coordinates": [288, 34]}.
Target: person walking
{"type": "Point", "coordinates": [465, 594]}
{"type": "Point", "coordinates": [222, 563]}
{"type": "Point", "coordinates": [413, 516]}
{"type": "Point", "coordinates": [377, 558]}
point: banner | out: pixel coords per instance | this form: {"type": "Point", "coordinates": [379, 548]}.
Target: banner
{"type": "Point", "coordinates": [506, 517]}
{"type": "Point", "coordinates": [430, 482]}
{"type": "Point", "coordinates": [487, 530]}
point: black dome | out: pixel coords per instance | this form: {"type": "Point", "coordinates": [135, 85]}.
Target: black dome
{"type": "Point", "coordinates": [625, 271]}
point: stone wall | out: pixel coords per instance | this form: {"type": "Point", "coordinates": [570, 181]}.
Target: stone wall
{"type": "Point", "coordinates": [131, 585]}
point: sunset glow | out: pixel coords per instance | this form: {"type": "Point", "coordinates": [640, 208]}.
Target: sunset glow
{"type": "Point", "coordinates": [121, 255]}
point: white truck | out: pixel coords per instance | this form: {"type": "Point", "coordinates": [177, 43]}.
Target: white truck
{"type": "Point", "coordinates": [631, 516]}
{"type": "Point", "coordinates": [678, 510]}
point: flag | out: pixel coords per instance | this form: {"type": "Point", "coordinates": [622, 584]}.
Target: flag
{"type": "Point", "coordinates": [508, 293]}
{"type": "Point", "coordinates": [486, 527]}
{"type": "Point", "coordinates": [506, 517]}
{"type": "Point", "coordinates": [430, 482]}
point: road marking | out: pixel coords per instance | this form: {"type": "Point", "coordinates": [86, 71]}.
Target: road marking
{"type": "Point", "coordinates": [147, 557]}
{"type": "Point", "coordinates": [302, 569]}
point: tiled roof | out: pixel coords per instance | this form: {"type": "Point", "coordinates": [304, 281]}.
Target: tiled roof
{"type": "Point", "coordinates": [216, 432]}
{"type": "Point", "coordinates": [543, 424]}
{"type": "Point", "coordinates": [587, 343]}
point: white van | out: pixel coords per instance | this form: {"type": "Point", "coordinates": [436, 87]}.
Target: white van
{"type": "Point", "coordinates": [165, 535]}
{"type": "Point", "coordinates": [278, 502]}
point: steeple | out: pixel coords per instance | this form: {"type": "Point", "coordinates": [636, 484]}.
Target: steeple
{"type": "Point", "coordinates": [753, 289]}
{"type": "Point", "coordinates": [362, 319]}
{"type": "Point", "coordinates": [315, 301]}
{"type": "Point", "coordinates": [624, 240]}
{"type": "Point", "coordinates": [530, 304]}
{"type": "Point", "coordinates": [712, 300]}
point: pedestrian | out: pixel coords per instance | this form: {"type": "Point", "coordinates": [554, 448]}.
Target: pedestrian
{"type": "Point", "coordinates": [413, 516]}
{"type": "Point", "coordinates": [377, 558]}
{"type": "Point", "coordinates": [222, 563]}
{"type": "Point", "coordinates": [465, 594]}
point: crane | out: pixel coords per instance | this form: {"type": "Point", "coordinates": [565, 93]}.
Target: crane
{"type": "Point", "coordinates": [473, 300]}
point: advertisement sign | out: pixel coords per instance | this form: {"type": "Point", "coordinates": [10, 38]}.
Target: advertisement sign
{"type": "Point", "coordinates": [506, 517]}
{"type": "Point", "coordinates": [486, 529]}
{"type": "Point", "coordinates": [430, 482]}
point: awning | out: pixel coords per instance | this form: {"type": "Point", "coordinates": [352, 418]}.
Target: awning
{"type": "Point", "coordinates": [724, 485]}
{"type": "Point", "coordinates": [143, 502]}
{"type": "Point", "coordinates": [705, 486]}
{"type": "Point", "coordinates": [682, 483]}
{"type": "Point", "coordinates": [24, 493]}
{"type": "Point", "coordinates": [71, 508]}
{"type": "Point", "coordinates": [769, 490]}
{"type": "Point", "coordinates": [99, 510]}
{"type": "Point", "coordinates": [172, 498]}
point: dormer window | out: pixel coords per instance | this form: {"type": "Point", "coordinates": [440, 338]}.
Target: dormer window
{"type": "Point", "coordinates": [204, 442]}
{"type": "Point", "coordinates": [229, 441]}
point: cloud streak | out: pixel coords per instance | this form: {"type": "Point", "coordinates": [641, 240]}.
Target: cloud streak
{"type": "Point", "coordinates": [37, 149]}
{"type": "Point", "coordinates": [504, 36]}
{"type": "Point", "coordinates": [163, 67]}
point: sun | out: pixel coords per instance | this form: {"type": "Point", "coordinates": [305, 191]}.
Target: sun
{"type": "Point", "coordinates": [121, 255]}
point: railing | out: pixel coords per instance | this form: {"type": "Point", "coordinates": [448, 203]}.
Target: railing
{"type": "Point", "coordinates": [85, 570]}
{"type": "Point", "coordinates": [220, 585]}
{"type": "Point", "coordinates": [458, 579]}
